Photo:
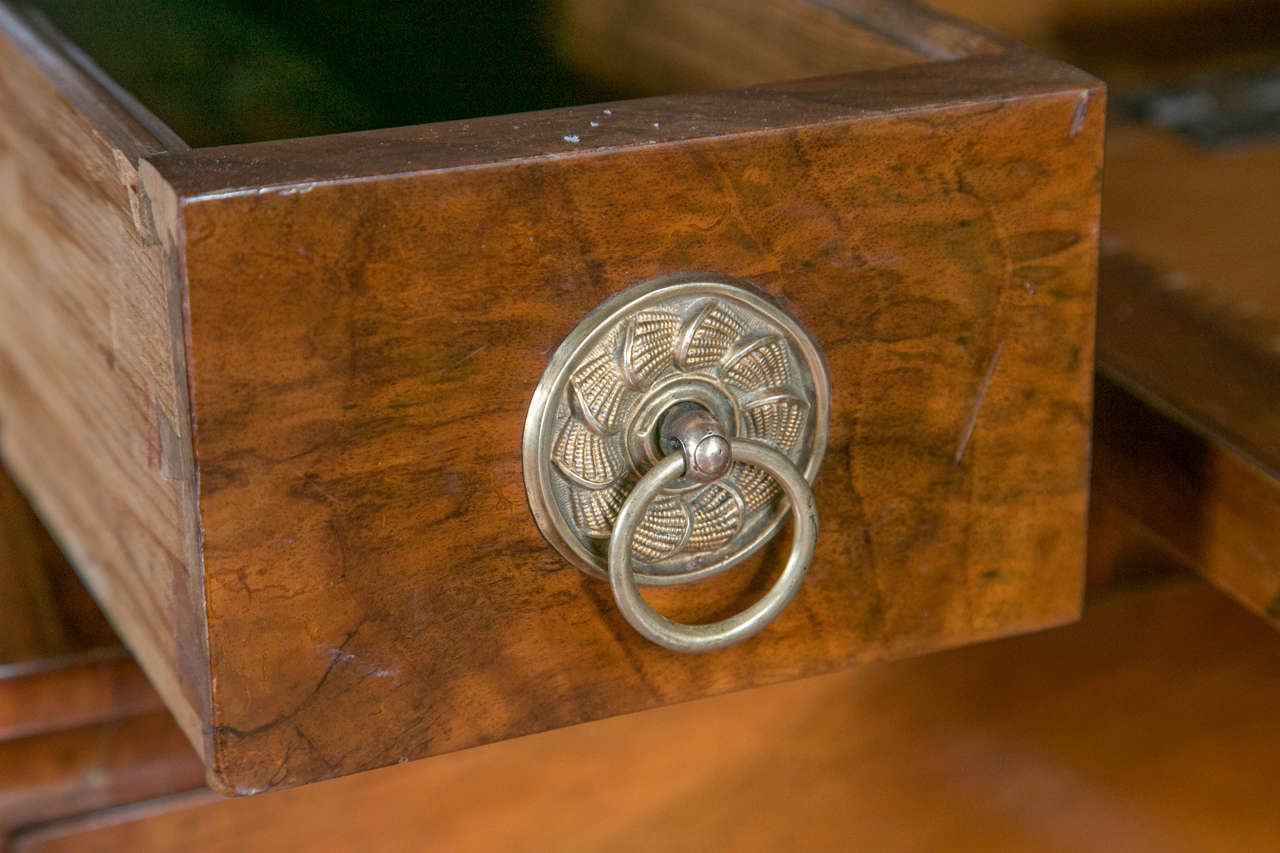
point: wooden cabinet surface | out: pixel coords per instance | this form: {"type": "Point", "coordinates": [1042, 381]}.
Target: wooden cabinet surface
{"type": "Point", "coordinates": [270, 395]}
{"type": "Point", "coordinates": [81, 729]}
{"type": "Point", "coordinates": [1127, 729]}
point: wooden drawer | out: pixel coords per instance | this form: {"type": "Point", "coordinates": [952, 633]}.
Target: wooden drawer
{"type": "Point", "coordinates": [270, 396]}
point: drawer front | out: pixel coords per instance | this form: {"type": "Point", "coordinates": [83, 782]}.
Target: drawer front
{"type": "Point", "coordinates": [365, 318]}
{"type": "Point", "coordinates": [363, 355]}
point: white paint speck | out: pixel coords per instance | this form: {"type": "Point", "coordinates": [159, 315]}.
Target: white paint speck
{"type": "Point", "coordinates": [595, 124]}
{"type": "Point", "coordinates": [573, 137]}
{"type": "Point", "coordinates": [655, 124]}
{"type": "Point", "coordinates": [608, 112]}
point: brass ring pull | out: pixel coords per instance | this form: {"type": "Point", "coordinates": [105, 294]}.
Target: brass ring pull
{"type": "Point", "coordinates": [716, 635]}
{"type": "Point", "coordinates": [671, 434]}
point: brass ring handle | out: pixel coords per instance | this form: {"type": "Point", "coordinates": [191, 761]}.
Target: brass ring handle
{"type": "Point", "coordinates": [716, 635]}
{"type": "Point", "coordinates": [672, 432]}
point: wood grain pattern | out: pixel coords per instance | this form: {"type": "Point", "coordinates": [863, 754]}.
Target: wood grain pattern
{"type": "Point", "coordinates": [376, 589]}
{"type": "Point", "coordinates": [1189, 297]}
{"type": "Point", "coordinates": [47, 613]}
{"type": "Point", "coordinates": [1121, 33]}
{"type": "Point", "coordinates": [1187, 497]}
{"type": "Point", "coordinates": [92, 413]}
{"type": "Point", "coordinates": [1047, 742]}
{"type": "Point", "coordinates": [359, 321]}
{"type": "Point", "coordinates": [1190, 314]}
{"type": "Point", "coordinates": [296, 165]}
{"type": "Point", "coordinates": [670, 46]}
{"type": "Point", "coordinates": [81, 728]}
{"type": "Point", "coordinates": [1189, 320]}
{"type": "Point", "coordinates": [77, 771]}
{"type": "Point", "coordinates": [70, 694]}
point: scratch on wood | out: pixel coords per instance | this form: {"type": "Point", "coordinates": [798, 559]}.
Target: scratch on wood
{"type": "Point", "coordinates": [1077, 116]}
{"type": "Point", "coordinates": [977, 405]}
{"type": "Point", "coordinates": [883, 519]}
{"type": "Point", "coordinates": [313, 484]}
{"type": "Point", "coordinates": [475, 352]}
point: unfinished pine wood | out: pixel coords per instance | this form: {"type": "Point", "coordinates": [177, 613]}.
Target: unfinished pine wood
{"type": "Point", "coordinates": [93, 417]}
{"type": "Point", "coordinates": [1048, 742]}
{"type": "Point", "coordinates": [360, 320]}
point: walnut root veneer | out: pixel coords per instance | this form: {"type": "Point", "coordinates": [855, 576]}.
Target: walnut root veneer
{"type": "Point", "coordinates": [271, 396]}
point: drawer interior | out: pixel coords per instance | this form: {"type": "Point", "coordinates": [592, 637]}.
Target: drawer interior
{"type": "Point", "coordinates": [232, 71]}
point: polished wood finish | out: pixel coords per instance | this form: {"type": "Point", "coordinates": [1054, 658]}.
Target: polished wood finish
{"type": "Point", "coordinates": [675, 46]}
{"type": "Point", "coordinates": [68, 694]}
{"type": "Point", "coordinates": [376, 588]}
{"type": "Point", "coordinates": [1189, 320]}
{"type": "Point", "coordinates": [80, 726]}
{"type": "Point", "coordinates": [46, 612]}
{"type": "Point", "coordinates": [1162, 488]}
{"type": "Point", "coordinates": [1149, 727]}
{"type": "Point", "coordinates": [1190, 314]}
{"type": "Point", "coordinates": [1189, 296]}
{"type": "Point", "coordinates": [359, 322]}
{"type": "Point", "coordinates": [77, 771]}
{"type": "Point", "coordinates": [1120, 39]}
{"type": "Point", "coordinates": [92, 405]}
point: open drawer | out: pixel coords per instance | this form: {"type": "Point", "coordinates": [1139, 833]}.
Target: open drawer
{"type": "Point", "coordinates": [271, 397]}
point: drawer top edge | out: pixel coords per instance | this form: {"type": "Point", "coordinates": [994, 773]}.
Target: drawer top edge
{"type": "Point", "coordinates": [294, 165]}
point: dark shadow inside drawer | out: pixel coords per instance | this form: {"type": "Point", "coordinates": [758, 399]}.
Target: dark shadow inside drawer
{"type": "Point", "coordinates": [231, 71]}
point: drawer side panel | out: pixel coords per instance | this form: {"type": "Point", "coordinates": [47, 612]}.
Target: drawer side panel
{"type": "Point", "coordinates": [93, 414]}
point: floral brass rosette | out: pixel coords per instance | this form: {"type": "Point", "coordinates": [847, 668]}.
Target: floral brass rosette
{"type": "Point", "coordinates": [725, 348]}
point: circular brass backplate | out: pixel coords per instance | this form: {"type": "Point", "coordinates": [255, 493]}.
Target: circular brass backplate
{"type": "Point", "coordinates": [592, 428]}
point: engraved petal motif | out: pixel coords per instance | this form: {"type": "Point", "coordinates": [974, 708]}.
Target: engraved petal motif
{"type": "Point", "coordinates": [777, 419]}
{"type": "Point", "coordinates": [762, 363]}
{"type": "Point", "coordinates": [648, 346]}
{"type": "Point", "coordinates": [598, 394]}
{"type": "Point", "coordinates": [745, 357]}
{"type": "Point", "coordinates": [755, 485]}
{"type": "Point", "coordinates": [663, 531]}
{"type": "Point", "coordinates": [717, 514]}
{"type": "Point", "coordinates": [595, 510]}
{"type": "Point", "coordinates": [586, 458]}
{"type": "Point", "coordinates": [708, 336]}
